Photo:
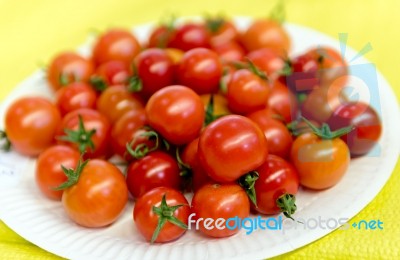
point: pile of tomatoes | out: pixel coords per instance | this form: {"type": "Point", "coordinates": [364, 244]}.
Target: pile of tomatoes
{"type": "Point", "coordinates": [200, 107]}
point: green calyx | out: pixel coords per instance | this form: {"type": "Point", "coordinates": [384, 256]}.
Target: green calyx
{"type": "Point", "coordinates": [287, 69]}
{"type": "Point", "coordinates": [166, 213]}
{"type": "Point", "coordinates": [81, 137]}
{"type": "Point", "coordinates": [72, 175]}
{"type": "Point", "coordinates": [186, 170]}
{"type": "Point", "coordinates": [287, 204]}
{"type": "Point", "coordinates": [278, 13]}
{"type": "Point", "coordinates": [247, 182]}
{"type": "Point", "coordinates": [214, 24]}
{"type": "Point", "coordinates": [141, 150]}
{"type": "Point", "coordinates": [134, 84]}
{"type": "Point", "coordinates": [324, 132]}
{"type": "Point", "coordinates": [253, 68]}
{"type": "Point", "coordinates": [98, 83]}
{"type": "Point", "coordinates": [210, 117]}
{"type": "Point", "coordinates": [5, 143]}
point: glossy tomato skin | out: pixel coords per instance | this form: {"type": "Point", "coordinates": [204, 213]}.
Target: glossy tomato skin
{"type": "Point", "coordinates": [68, 67]}
{"type": "Point", "coordinates": [320, 163]}
{"type": "Point", "coordinates": [190, 36]}
{"type": "Point", "coordinates": [278, 136]}
{"type": "Point", "coordinates": [190, 156]}
{"type": "Point", "coordinates": [116, 44]}
{"type": "Point", "coordinates": [320, 104]}
{"type": "Point", "coordinates": [276, 177]}
{"type": "Point", "coordinates": [247, 92]}
{"type": "Point", "coordinates": [92, 119]}
{"type": "Point", "coordinates": [368, 126]}
{"type": "Point", "coordinates": [220, 201]}
{"type": "Point", "coordinates": [99, 196]}
{"type": "Point", "coordinates": [177, 113]}
{"type": "Point", "coordinates": [200, 69]}
{"type": "Point", "coordinates": [161, 36]}
{"type": "Point", "coordinates": [229, 52]}
{"type": "Point", "coordinates": [48, 172]}
{"type": "Point", "coordinates": [266, 34]}
{"type": "Point", "coordinates": [31, 123]}
{"type": "Point", "coordinates": [230, 147]}
{"type": "Point", "coordinates": [146, 220]}
{"type": "Point", "coordinates": [155, 69]}
{"type": "Point", "coordinates": [282, 101]}
{"type": "Point", "coordinates": [154, 170]}
{"type": "Point", "coordinates": [113, 72]}
{"type": "Point", "coordinates": [116, 101]}
{"type": "Point", "coordinates": [74, 96]}
{"type": "Point", "coordinates": [268, 61]}
{"type": "Point", "coordinates": [124, 129]}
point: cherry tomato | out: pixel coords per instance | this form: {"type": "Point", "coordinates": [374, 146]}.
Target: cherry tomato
{"type": "Point", "coordinates": [221, 31]}
{"type": "Point", "coordinates": [366, 122]}
{"type": "Point", "coordinates": [177, 113]}
{"type": "Point", "coordinates": [124, 129]}
{"type": "Point", "coordinates": [161, 36]}
{"type": "Point", "coordinates": [282, 101]}
{"type": "Point", "coordinates": [49, 174]}
{"type": "Point", "coordinates": [116, 44]}
{"type": "Point", "coordinates": [223, 144]}
{"type": "Point", "coordinates": [278, 136]}
{"type": "Point", "coordinates": [92, 138]}
{"type": "Point", "coordinates": [190, 157]}
{"type": "Point", "coordinates": [190, 36]}
{"type": "Point", "coordinates": [154, 206]}
{"type": "Point", "coordinates": [268, 61]}
{"type": "Point", "coordinates": [247, 92]}
{"type": "Point", "coordinates": [74, 96]}
{"type": "Point", "coordinates": [320, 104]}
{"type": "Point", "coordinates": [276, 178]}
{"type": "Point", "coordinates": [229, 52]}
{"type": "Point", "coordinates": [155, 70]}
{"type": "Point", "coordinates": [154, 170]}
{"type": "Point", "coordinates": [68, 67]}
{"type": "Point", "coordinates": [31, 124]}
{"type": "Point", "coordinates": [116, 101]}
{"type": "Point", "coordinates": [200, 70]}
{"type": "Point", "coordinates": [220, 201]}
{"type": "Point", "coordinates": [110, 73]}
{"type": "Point", "coordinates": [98, 197]}
{"type": "Point", "coordinates": [266, 34]}
{"type": "Point", "coordinates": [320, 163]}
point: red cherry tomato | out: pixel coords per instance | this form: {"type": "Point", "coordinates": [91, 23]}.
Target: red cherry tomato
{"type": "Point", "coordinates": [278, 136]}
{"type": "Point", "coordinates": [124, 129]}
{"type": "Point", "coordinates": [283, 102]}
{"type": "Point", "coordinates": [74, 96]}
{"type": "Point", "coordinates": [161, 36]}
{"type": "Point", "coordinates": [94, 141]}
{"type": "Point", "coordinates": [190, 157]}
{"type": "Point", "coordinates": [222, 31]}
{"type": "Point", "coordinates": [366, 122]}
{"type": "Point", "coordinates": [220, 201]}
{"type": "Point", "coordinates": [68, 67]}
{"type": "Point", "coordinates": [116, 44]}
{"type": "Point", "coordinates": [98, 197]}
{"type": "Point", "coordinates": [177, 113]}
{"type": "Point", "coordinates": [155, 69]}
{"type": "Point", "coordinates": [276, 178]}
{"type": "Point", "coordinates": [110, 73]}
{"type": "Point", "coordinates": [190, 36]}
{"type": "Point", "coordinates": [154, 170]}
{"type": "Point", "coordinates": [268, 61]}
{"type": "Point", "coordinates": [223, 144]}
{"type": "Point", "coordinates": [116, 101]}
{"type": "Point", "coordinates": [49, 174]}
{"type": "Point", "coordinates": [247, 92]}
{"type": "Point", "coordinates": [200, 70]}
{"type": "Point", "coordinates": [31, 124]}
{"type": "Point", "coordinates": [147, 218]}
{"type": "Point", "coordinates": [266, 34]}
{"type": "Point", "coordinates": [229, 52]}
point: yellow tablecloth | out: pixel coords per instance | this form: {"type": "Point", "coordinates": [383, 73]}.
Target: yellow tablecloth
{"type": "Point", "coordinates": [31, 32]}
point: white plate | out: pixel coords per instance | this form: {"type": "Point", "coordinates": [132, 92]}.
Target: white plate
{"type": "Point", "coordinates": [45, 224]}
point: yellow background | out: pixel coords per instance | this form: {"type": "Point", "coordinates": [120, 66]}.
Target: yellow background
{"type": "Point", "coordinates": [31, 32]}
